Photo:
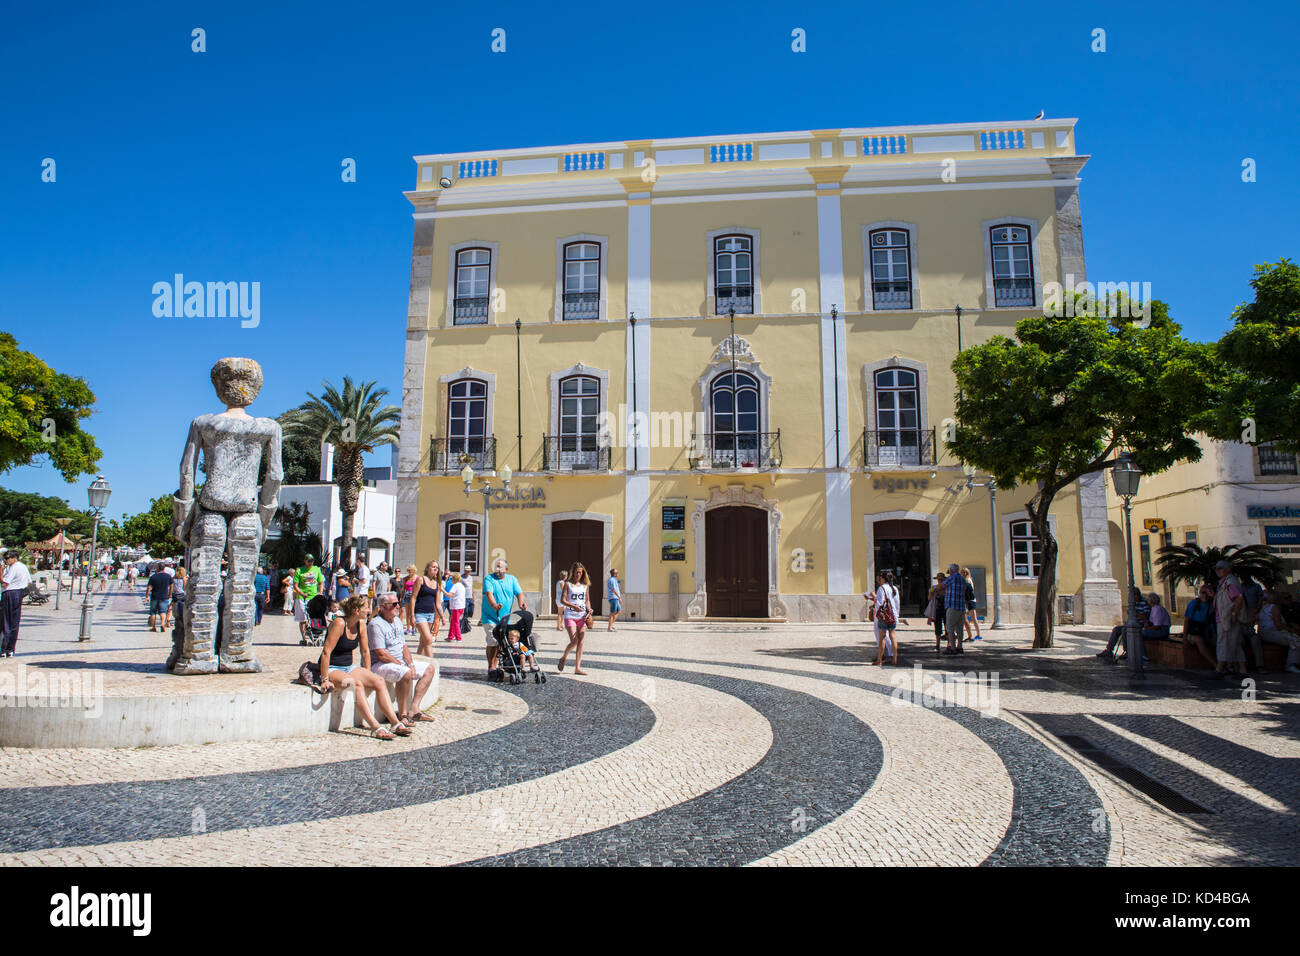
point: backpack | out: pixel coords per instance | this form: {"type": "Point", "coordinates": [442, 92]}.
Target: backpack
{"type": "Point", "coordinates": [885, 610]}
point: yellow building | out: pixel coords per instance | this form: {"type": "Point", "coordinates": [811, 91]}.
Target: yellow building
{"type": "Point", "coordinates": [572, 313]}
{"type": "Point", "coordinates": [1237, 494]}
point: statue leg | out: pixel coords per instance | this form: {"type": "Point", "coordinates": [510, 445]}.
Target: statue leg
{"type": "Point", "coordinates": [237, 622]}
{"type": "Point", "coordinates": [207, 544]}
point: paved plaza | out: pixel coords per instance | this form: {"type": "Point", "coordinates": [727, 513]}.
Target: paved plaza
{"type": "Point", "coordinates": [702, 743]}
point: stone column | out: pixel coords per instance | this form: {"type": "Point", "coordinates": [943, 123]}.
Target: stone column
{"type": "Point", "coordinates": [412, 443]}
{"type": "Point", "coordinates": [1099, 596]}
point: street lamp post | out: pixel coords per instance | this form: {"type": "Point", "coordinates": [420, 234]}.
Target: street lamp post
{"type": "Point", "coordinates": [98, 494]}
{"type": "Point", "coordinates": [58, 568]}
{"type": "Point", "coordinates": [992, 486]}
{"type": "Point", "coordinates": [467, 476]}
{"type": "Point", "coordinates": [1126, 476]}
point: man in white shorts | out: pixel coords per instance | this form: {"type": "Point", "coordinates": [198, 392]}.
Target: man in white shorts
{"type": "Point", "coordinates": [391, 659]}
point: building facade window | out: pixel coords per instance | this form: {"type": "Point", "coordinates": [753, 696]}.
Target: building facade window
{"type": "Point", "coordinates": [466, 416]}
{"type": "Point", "coordinates": [1012, 264]}
{"type": "Point", "coordinates": [891, 269]}
{"type": "Point", "coordinates": [897, 438]}
{"type": "Point", "coordinates": [1274, 461]}
{"type": "Point", "coordinates": [1189, 537]}
{"type": "Point", "coordinates": [473, 287]}
{"type": "Point", "coordinates": [734, 418]}
{"type": "Point", "coordinates": [733, 274]}
{"type": "Point", "coordinates": [1144, 549]}
{"type": "Point", "coordinates": [582, 280]}
{"type": "Point", "coordinates": [1026, 553]}
{"type": "Point", "coordinates": [579, 421]}
{"type": "Point", "coordinates": [462, 547]}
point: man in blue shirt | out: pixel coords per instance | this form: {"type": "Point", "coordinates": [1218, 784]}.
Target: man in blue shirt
{"type": "Point", "coordinates": [261, 585]}
{"type": "Point", "coordinates": [954, 609]}
{"type": "Point", "coordinates": [159, 590]}
{"type": "Point", "coordinates": [499, 593]}
{"type": "Point", "coordinates": [615, 595]}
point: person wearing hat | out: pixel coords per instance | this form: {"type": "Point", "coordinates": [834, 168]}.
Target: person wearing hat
{"type": "Point", "coordinates": [1229, 614]}
{"type": "Point", "coordinates": [308, 581]}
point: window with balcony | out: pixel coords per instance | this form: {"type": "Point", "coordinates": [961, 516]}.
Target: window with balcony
{"type": "Point", "coordinates": [891, 269]}
{"type": "Point", "coordinates": [578, 445]}
{"type": "Point", "coordinates": [1026, 553]}
{"type": "Point", "coordinates": [1274, 461]}
{"type": "Point", "coordinates": [734, 416]}
{"type": "Point", "coordinates": [1013, 270]}
{"type": "Point", "coordinates": [461, 547]}
{"type": "Point", "coordinates": [467, 441]}
{"type": "Point", "coordinates": [733, 274]}
{"type": "Point", "coordinates": [582, 280]}
{"type": "Point", "coordinates": [473, 287]}
{"type": "Point", "coordinates": [897, 439]}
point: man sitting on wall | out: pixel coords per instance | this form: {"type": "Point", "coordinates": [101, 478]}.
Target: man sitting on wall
{"type": "Point", "coordinates": [391, 659]}
{"type": "Point", "coordinates": [1117, 632]}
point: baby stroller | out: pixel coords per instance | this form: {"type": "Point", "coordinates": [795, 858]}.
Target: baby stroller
{"type": "Point", "coordinates": [512, 662]}
{"type": "Point", "coordinates": [316, 626]}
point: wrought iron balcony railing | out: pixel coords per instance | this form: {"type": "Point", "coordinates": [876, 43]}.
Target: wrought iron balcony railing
{"type": "Point", "coordinates": [891, 295]}
{"type": "Point", "coordinates": [582, 305]}
{"type": "Point", "coordinates": [574, 453]}
{"type": "Point", "coordinates": [470, 311]}
{"type": "Point", "coordinates": [738, 297]}
{"type": "Point", "coordinates": [1275, 462]}
{"type": "Point", "coordinates": [899, 448]}
{"type": "Point", "coordinates": [1013, 292]}
{"type": "Point", "coordinates": [453, 454]}
{"type": "Point", "coordinates": [738, 450]}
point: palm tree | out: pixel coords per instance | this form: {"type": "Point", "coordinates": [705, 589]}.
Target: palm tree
{"type": "Point", "coordinates": [1189, 563]}
{"type": "Point", "coordinates": [353, 422]}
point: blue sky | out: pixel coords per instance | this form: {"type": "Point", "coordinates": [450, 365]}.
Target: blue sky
{"type": "Point", "coordinates": [225, 165]}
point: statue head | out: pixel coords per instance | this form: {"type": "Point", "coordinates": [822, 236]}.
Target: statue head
{"type": "Point", "coordinates": [237, 381]}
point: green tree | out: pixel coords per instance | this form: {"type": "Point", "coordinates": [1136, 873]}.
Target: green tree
{"type": "Point", "coordinates": [354, 422]}
{"type": "Point", "coordinates": [151, 529]}
{"type": "Point", "coordinates": [28, 517]}
{"type": "Point", "coordinates": [1189, 564]}
{"type": "Point", "coordinates": [40, 414]}
{"type": "Point", "coordinates": [1260, 360]}
{"type": "Point", "coordinates": [1064, 398]}
{"type": "Point", "coordinates": [299, 458]}
{"type": "Point", "coordinates": [296, 538]}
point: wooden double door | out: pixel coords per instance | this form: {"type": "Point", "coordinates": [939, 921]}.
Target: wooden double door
{"type": "Point", "coordinates": [736, 562]}
{"type": "Point", "coordinates": [579, 540]}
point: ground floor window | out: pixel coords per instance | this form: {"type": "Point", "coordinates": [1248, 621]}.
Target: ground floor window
{"type": "Point", "coordinates": [462, 547]}
{"type": "Point", "coordinates": [1026, 552]}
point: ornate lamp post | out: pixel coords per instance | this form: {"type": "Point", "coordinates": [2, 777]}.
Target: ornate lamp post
{"type": "Point", "coordinates": [98, 494]}
{"type": "Point", "coordinates": [58, 568]}
{"type": "Point", "coordinates": [467, 476]}
{"type": "Point", "coordinates": [1126, 477]}
{"type": "Point", "coordinates": [992, 486]}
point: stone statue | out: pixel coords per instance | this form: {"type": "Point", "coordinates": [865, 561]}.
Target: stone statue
{"type": "Point", "coordinates": [229, 518]}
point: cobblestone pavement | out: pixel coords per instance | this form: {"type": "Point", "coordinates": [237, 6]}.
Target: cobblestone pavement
{"type": "Point", "coordinates": [711, 743]}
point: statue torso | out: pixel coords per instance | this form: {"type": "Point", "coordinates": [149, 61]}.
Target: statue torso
{"type": "Point", "coordinates": [232, 448]}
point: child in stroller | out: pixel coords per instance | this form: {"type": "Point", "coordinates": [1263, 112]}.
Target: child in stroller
{"type": "Point", "coordinates": [317, 620]}
{"type": "Point", "coordinates": [514, 637]}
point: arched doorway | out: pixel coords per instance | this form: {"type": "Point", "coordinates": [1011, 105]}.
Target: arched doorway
{"type": "Point", "coordinates": [736, 561]}
{"type": "Point", "coordinates": [574, 540]}
{"type": "Point", "coordinates": [903, 546]}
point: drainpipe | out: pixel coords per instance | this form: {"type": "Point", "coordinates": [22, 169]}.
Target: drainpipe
{"type": "Point", "coordinates": [835, 372]}
{"type": "Point", "coordinates": [631, 320]}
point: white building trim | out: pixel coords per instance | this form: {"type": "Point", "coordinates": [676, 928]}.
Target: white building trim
{"type": "Point", "coordinates": [603, 285]}
{"type": "Point", "coordinates": [868, 300]}
{"type": "Point", "coordinates": [990, 300]}
{"type": "Point", "coordinates": [868, 523]}
{"type": "Point", "coordinates": [1004, 528]}
{"type": "Point", "coordinates": [754, 275]}
{"type": "Point", "coordinates": [449, 319]}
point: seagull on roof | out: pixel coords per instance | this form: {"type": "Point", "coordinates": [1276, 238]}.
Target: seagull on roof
{"type": "Point", "coordinates": [1041, 114]}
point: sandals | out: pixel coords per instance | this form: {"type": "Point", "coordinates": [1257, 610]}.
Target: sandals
{"type": "Point", "coordinates": [402, 730]}
{"type": "Point", "coordinates": [417, 716]}
{"type": "Point", "coordinates": [382, 733]}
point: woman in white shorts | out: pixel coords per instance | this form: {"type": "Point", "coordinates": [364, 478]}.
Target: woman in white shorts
{"type": "Point", "coordinates": [576, 612]}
